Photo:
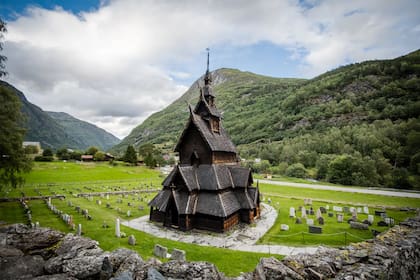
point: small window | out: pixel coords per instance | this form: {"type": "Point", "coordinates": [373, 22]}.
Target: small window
{"type": "Point", "coordinates": [215, 126]}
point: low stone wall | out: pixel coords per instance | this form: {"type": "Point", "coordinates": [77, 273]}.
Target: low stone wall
{"type": "Point", "coordinates": [42, 253]}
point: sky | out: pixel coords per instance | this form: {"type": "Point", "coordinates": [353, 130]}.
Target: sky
{"type": "Point", "coordinates": [114, 63]}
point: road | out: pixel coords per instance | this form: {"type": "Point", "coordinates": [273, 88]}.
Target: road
{"type": "Point", "coordinates": [344, 189]}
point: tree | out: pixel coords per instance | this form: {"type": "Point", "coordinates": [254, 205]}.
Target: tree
{"type": "Point", "coordinates": [130, 155]}
{"type": "Point", "coordinates": [3, 58]}
{"type": "Point", "coordinates": [296, 170]}
{"type": "Point", "coordinates": [99, 156]}
{"type": "Point", "coordinates": [63, 154]}
{"type": "Point", "coordinates": [47, 153]}
{"type": "Point", "coordinates": [13, 160]}
{"type": "Point", "coordinates": [92, 150]}
{"type": "Point", "coordinates": [31, 150]}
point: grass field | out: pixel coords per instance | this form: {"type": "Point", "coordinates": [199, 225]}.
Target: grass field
{"type": "Point", "coordinates": [70, 179]}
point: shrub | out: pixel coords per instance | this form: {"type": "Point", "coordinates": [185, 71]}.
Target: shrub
{"type": "Point", "coordinates": [297, 170]}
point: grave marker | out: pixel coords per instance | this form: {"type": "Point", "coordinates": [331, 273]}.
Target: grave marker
{"type": "Point", "coordinates": [340, 218]}
{"type": "Point", "coordinates": [131, 240]}
{"type": "Point", "coordinates": [79, 229]}
{"type": "Point", "coordinates": [292, 213]}
{"type": "Point", "coordinates": [178, 255]}
{"type": "Point", "coordinates": [284, 227]}
{"type": "Point", "coordinates": [310, 222]}
{"type": "Point", "coordinates": [117, 228]}
{"type": "Point", "coordinates": [315, 229]}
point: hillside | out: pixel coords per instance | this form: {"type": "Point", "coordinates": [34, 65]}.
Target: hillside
{"type": "Point", "coordinates": [86, 133]}
{"type": "Point", "coordinates": [364, 116]}
{"type": "Point", "coordinates": [64, 132]}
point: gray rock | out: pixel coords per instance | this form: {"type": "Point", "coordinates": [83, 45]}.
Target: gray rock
{"type": "Point", "coordinates": [21, 266]}
{"type": "Point", "coordinates": [106, 269]}
{"type": "Point", "coordinates": [55, 277]}
{"type": "Point", "coordinates": [153, 274]}
{"type": "Point", "coordinates": [130, 264]}
{"type": "Point", "coordinates": [83, 267]}
{"type": "Point", "coordinates": [125, 275]}
{"type": "Point", "coordinates": [271, 268]}
{"type": "Point", "coordinates": [189, 270]}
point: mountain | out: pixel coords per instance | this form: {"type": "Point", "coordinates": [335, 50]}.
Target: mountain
{"type": "Point", "coordinates": [338, 127]}
{"type": "Point", "coordinates": [86, 133]}
{"type": "Point", "coordinates": [56, 130]}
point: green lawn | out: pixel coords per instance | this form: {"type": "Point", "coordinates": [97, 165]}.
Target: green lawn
{"type": "Point", "coordinates": [70, 178]}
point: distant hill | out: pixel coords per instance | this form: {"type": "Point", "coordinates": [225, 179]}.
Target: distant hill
{"type": "Point", "coordinates": [363, 115]}
{"type": "Point", "coordinates": [57, 130]}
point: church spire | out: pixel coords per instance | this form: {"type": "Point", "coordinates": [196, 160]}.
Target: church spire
{"type": "Point", "coordinates": [207, 77]}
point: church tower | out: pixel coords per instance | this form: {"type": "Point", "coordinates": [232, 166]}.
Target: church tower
{"type": "Point", "coordinates": [208, 189]}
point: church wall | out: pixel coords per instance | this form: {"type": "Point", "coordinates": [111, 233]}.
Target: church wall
{"type": "Point", "coordinates": [223, 157]}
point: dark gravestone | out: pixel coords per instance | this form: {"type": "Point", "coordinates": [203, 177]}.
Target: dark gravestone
{"type": "Point", "coordinates": [298, 220]}
{"type": "Point", "coordinates": [307, 212]}
{"type": "Point", "coordinates": [315, 229]}
{"type": "Point", "coordinates": [346, 209]}
{"type": "Point", "coordinates": [375, 232]}
{"type": "Point", "coordinates": [323, 210]}
{"type": "Point", "coordinates": [321, 220]}
{"type": "Point", "coordinates": [330, 214]}
{"type": "Point", "coordinates": [366, 222]}
{"type": "Point", "coordinates": [382, 224]}
{"type": "Point", "coordinates": [311, 212]}
{"type": "Point", "coordinates": [379, 212]}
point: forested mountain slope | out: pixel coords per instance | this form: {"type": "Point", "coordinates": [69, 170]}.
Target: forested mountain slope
{"type": "Point", "coordinates": [55, 130]}
{"type": "Point", "coordinates": [358, 124]}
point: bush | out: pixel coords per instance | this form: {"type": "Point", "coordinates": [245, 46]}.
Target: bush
{"type": "Point", "coordinates": [44, 158]}
{"type": "Point", "coordinates": [296, 170]}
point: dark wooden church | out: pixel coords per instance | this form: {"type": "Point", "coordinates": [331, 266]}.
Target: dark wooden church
{"type": "Point", "coordinates": [208, 189]}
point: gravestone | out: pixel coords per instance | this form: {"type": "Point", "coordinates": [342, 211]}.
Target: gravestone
{"type": "Point", "coordinates": [98, 202]}
{"type": "Point", "coordinates": [352, 209]}
{"type": "Point", "coordinates": [298, 221]}
{"type": "Point", "coordinates": [284, 227]}
{"type": "Point", "coordinates": [359, 210]}
{"type": "Point", "coordinates": [384, 215]}
{"type": "Point", "coordinates": [79, 229]}
{"type": "Point", "coordinates": [337, 209]}
{"type": "Point", "coordinates": [357, 225]}
{"type": "Point", "coordinates": [77, 208]}
{"type": "Point", "coordinates": [327, 207]}
{"type": "Point", "coordinates": [141, 207]}
{"type": "Point", "coordinates": [160, 251]}
{"type": "Point", "coordinates": [129, 204]}
{"type": "Point", "coordinates": [330, 214]}
{"type": "Point", "coordinates": [379, 212]}
{"type": "Point", "coordinates": [89, 217]}
{"type": "Point", "coordinates": [128, 213]}
{"type": "Point", "coordinates": [375, 232]}
{"type": "Point", "coordinates": [371, 219]}
{"type": "Point", "coordinates": [108, 205]}
{"type": "Point", "coordinates": [346, 209]}
{"type": "Point", "coordinates": [318, 213]}
{"type": "Point", "coordinates": [307, 201]}
{"type": "Point", "coordinates": [389, 221]}
{"type": "Point", "coordinates": [292, 213]}
{"type": "Point", "coordinates": [382, 224]}
{"type": "Point", "coordinates": [311, 211]}
{"type": "Point", "coordinates": [354, 215]}
{"type": "Point", "coordinates": [310, 222]}
{"type": "Point", "coordinates": [117, 228]}
{"type": "Point", "coordinates": [321, 220]}
{"type": "Point", "coordinates": [323, 210]}
{"type": "Point", "coordinates": [69, 203]}
{"type": "Point", "coordinates": [36, 224]}
{"type": "Point", "coordinates": [178, 255]}
{"type": "Point", "coordinates": [340, 218]}
{"type": "Point", "coordinates": [107, 196]}
{"type": "Point", "coordinates": [131, 240]}
{"type": "Point", "coordinates": [300, 208]}
{"type": "Point", "coordinates": [315, 229]}
{"type": "Point", "coordinates": [303, 215]}
{"type": "Point", "coordinates": [366, 210]}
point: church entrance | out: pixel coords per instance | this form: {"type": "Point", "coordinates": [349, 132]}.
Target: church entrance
{"type": "Point", "coordinates": [171, 214]}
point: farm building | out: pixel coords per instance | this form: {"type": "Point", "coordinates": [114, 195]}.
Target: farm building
{"type": "Point", "coordinates": [208, 189]}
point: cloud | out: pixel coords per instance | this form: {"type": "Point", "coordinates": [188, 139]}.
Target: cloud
{"type": "Point", "coordinates": [114, 66]}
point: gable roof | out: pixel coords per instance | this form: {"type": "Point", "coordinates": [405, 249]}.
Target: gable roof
{"type": "Point", "coordinates": [217, 142]}
{"type": "Point", "coordinates": [210, 177]}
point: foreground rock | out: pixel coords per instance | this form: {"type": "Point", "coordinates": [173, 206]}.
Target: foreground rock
{"type": "Point", "coordinates": [45, 254]}
{"type": "Point", "coordinates": [394, 254]}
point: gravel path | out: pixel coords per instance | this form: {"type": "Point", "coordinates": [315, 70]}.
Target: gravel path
{"type": "Point", "coordinates": [345, 189]}
{"type": "Point", "coordinates": [243, 238]}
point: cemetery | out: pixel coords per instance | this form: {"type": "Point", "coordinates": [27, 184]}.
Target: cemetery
{"type": "Point", "coordinates": [70, 212]}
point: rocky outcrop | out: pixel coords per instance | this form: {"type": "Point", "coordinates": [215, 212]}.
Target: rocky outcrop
{"type": "Point", "coordinates": [45, 254]}
{"type": "Point", "coordinates": [394, 254]}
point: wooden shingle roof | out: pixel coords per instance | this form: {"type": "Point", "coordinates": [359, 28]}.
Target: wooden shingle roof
{"type": "Point", "coordinates": [217, 142]}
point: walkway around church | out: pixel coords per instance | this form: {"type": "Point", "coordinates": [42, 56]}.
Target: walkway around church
{"type": "Point", "coordinates": [243, 238]}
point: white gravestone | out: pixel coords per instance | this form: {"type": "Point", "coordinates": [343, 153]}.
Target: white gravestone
{"type": "Point", "coordinates": [79, 229]}
{"type": "Point", "coordinates": [310, 222]}
{"type": "Point", "coordinates": [292, 212]}
{"type": "Point", "coordinates": [284, 227]}
{"type": "Point", "coordinates": [117, 228]}
{"type": "Point", "coordinates": [318, 213]}
{"type": "Point", "coordinates": [366, 210]}
{"type": "Point", "coordinates": [303, 212]}
{"type": "Point", "coordinates": [371, 218]}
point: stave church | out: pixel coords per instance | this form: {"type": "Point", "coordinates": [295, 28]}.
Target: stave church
{"type": "Point", "coordinates": [207, 189]}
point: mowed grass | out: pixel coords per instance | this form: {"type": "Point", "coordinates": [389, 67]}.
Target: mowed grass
{"type": "Point", "coordinates": [70, 178]}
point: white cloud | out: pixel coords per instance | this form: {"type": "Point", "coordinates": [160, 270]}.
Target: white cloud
{"type": "Point", "coordinates": [110, 65]}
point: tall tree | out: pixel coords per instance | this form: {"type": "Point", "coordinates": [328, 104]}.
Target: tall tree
{"type": "Point", "coordinates": [13, 160]}
{"type": "Point", "coordinates": [130, 155]}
